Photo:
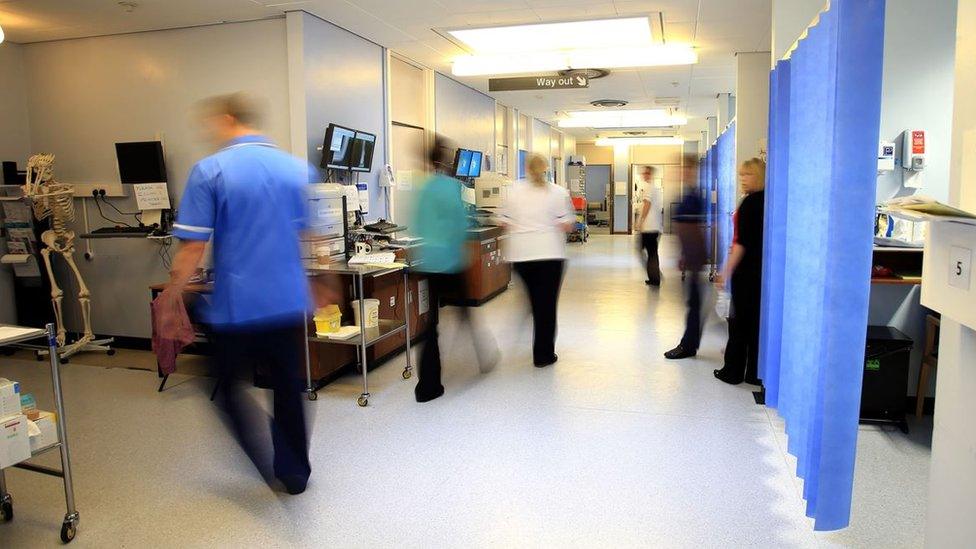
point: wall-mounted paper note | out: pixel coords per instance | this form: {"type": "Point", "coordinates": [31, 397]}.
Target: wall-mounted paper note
{"type": "Point", "coordinates": [151, 196]}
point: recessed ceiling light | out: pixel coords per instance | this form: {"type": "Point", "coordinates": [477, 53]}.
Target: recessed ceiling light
{"type": "Point", "coordinates": [551, 61]}
{"type": "Point", "coordinates": [592, 74]}
{"type": "Point", "coordinates": [627, 141]}
{"type": "Point", "coordinates": [622, 119]}
{"type": "Point", "coordinates": [568, 35]}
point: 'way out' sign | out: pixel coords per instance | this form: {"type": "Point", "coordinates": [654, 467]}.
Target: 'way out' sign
{"type": "Point", "coordinates": [538, 83]}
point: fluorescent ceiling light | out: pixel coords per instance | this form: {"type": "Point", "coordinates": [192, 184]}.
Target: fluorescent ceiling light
{"type": "Point", "coordinates": [625, 141]}
{"type": "Point", "coordinates": [600, 33]}
{"type": "Point", "coordinates": [656, 118]}
{"type": "Point", "coordinates": [551, 61]}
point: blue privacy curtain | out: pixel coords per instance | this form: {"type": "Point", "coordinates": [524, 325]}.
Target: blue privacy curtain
{"type": "Point", "coordinates": [823, 138]}
{"type": "Point", "coordinates": [726, 186]}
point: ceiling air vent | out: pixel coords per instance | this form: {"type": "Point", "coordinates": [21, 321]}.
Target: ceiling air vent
{"type": "Point", "coordinates": [592, 74]}
{"type": "Point", "coordinates": [609, 103]}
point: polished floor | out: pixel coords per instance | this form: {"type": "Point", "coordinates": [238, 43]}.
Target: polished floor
{"type": "Point", "coordinates": [611, 447]}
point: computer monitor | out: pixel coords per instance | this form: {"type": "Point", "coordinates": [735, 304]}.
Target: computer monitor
{"type": "Point", "coordinates": [474, 169]}
{"type": "Point", "coordinates": [141, 162]}
{"type": "Point", "coordinates": [362, 152]}
{"type": "Point", "coordinates": [462, 163]}
{"type": "Point", "coordinates": [337, 147]}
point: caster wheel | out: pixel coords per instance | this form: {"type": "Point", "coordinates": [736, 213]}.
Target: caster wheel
{"type": "Point", "coordinates": [363, 401]}
{"type": "Point", "coordinates": [407, 374]}
{"type": "Point", "coordinates": [313, 395]}
{"type": "Point", "coordinates": [38, 357]}
{"type": "Point", "coordinates": [6, 511]}
{"type": "Point", "coordinates": [68, 531]}
{"type": "Point", "coordinates": [110, 352]}
{"type": "Point", "coordinates": [65, 360]}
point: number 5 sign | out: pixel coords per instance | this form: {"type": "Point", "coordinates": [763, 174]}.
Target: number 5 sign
{"type": "Point", "coordinates": [960, 265]}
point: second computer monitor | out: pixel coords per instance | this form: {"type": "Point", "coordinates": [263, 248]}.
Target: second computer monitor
{"type": "Point", "coordinates": [474, 169]}
{"type": "Point", "coordinates": [362, 152]}
{"type": "Point", "coordinates": [462, 163]}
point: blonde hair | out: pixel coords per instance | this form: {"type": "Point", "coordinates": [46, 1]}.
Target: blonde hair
{"type": "Point", "coordinates": [241, 107]}
{"type": "Point", "coordinates": [759, 165]}
{"type": "Point", "coordinates": [537, 164]}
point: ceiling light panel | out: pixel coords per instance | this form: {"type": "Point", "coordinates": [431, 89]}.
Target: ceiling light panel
{"type": "Point", "coordinates": [656, 118]}
{"type": "Point", "coordinates": [626, 141]}
{"type": "Point", "coordinates": [594, 34]}
{"type": "Point", "coordinates": [605, 58]}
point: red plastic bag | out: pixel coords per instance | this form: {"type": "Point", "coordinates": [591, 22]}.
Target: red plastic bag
{"type": "Point", "coordinates": [172, 330]}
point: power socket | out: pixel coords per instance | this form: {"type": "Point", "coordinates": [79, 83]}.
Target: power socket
{"type": "Point", "coordinates": [393, 301]}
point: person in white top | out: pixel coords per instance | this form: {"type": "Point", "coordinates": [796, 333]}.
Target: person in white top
{"type": "Point", "coordinates": [651, 222]}
{"type": "Point", "coordinates": [537, 215]}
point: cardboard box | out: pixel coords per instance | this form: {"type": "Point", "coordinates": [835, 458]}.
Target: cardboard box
{"type": "Point", "coordinates": [46, 433]}
{"type": "Point", "coordinates": [9, 398]}
{"type": "Point", "coordinates": [14, 441]}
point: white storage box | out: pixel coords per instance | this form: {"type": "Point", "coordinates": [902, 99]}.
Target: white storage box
{"type": "Point", "coordinates": [48, 432]}
{"type": "Point", "coordinates": [9, 397]}
{"type": "Point", "coordinates": [14, 441]}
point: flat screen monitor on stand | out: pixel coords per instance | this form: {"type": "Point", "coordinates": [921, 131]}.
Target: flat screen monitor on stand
{"type": "Point", "coordinates": [142, 165]}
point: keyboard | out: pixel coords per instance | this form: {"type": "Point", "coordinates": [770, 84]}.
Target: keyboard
{"type": "Point", "coordinates": [123, 230]}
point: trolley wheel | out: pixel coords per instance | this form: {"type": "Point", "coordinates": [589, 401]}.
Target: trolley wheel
{"type": "Point", "coordinates": [7, 511]}
{"type": "Point", "coordinates": [363, 401]}
{"type": "Point", "coordinates": [407, 373]}
{"type": "Point", "coordinates": [110, 352]}
{"type": "Point", "coordinates": [68, 531]}
{"type": "Point", "coordinates": [38, 357]}
{"type": "Point", "coordinates": [711, 277]}
{"type": "Point", "coordinates": [313, 395]}
{"type": "Point", "coordinates": [65, 360]}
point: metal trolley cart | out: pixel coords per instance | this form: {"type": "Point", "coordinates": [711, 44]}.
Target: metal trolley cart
{"type": "Point", "coordinates": [581, 231]}
{"type": "Point", "coordinates": [367, 336]}
{"type": "Point", "coordinates": [70, 526]}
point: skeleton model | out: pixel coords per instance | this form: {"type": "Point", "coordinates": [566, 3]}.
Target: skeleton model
{"type": "Point", "coordinates": [54, 200]}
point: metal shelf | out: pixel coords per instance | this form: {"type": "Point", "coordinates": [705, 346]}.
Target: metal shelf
{"type": "Point", "coordinates": [387, 328]}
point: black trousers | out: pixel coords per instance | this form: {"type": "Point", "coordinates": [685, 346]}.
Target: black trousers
{"type": "Point", "coordinates": [280, 352]}
{"type": "Point", "coordinates": [649, 242]}
{"type": "Point", "coordinates": [542, 280]}
{"type": "Point", "coordinates": [742, 350]}
{"type": "Point", "coordinates": [429, 375]}
{"type": "Point", "coordinates": [693, 321]}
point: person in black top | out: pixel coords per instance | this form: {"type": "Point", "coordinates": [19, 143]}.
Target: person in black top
{"type": "Point", "coordinates": [688, 222]}
{"type": "Point", "coordinates": [744, 270]}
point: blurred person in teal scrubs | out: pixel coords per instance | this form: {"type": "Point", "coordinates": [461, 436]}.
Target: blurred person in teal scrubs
{"type": "Point", "coordinates": [441, 221]}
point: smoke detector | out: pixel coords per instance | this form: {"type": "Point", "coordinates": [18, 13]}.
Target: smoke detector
{"type": "Point", "coordinates": [609, 103]}
{"type": "Point", "coordinates": [591, 74]}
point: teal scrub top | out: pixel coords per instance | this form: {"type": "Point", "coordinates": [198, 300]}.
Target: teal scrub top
{"type": "Point", "coordinates": [439, 218]}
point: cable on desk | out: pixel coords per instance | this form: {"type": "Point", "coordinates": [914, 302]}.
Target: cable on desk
{"type": "Point", "coordinates": [102, 215]}
{"type": "Point", "coordinates": [136, 215]}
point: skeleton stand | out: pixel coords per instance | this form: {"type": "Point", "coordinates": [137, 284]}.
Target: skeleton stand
{"type": "Point", "coordinates": [54, 200]}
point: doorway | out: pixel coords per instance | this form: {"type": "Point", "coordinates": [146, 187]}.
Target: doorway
{"type": "Point", "coordinates": [598, 177]}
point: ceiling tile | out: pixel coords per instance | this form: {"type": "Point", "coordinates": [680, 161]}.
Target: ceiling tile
{"type": "Point", "coordinates": [671, 10]}
{"type": "Point", "coordinates": [724, 10]}
{"type": "Point", "coordinates": [576, 12]}
{"type": "Point", "coordinates": [510, 17]}
{"type": "Point", "coordinates": [683, 33]}
{"type": "Point", "coordinates": [475, 6]}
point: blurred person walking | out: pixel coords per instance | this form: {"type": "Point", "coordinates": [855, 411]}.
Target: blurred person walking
{"type": "Point", "coordinates": [538, 215]}
{"type": "Point", "coordinates": [651, 222]}
{"type": "Point", "coordinates": [249, 198]}
{"type": "Point", "coordinates": [440, 219]}
{"type": "Point", "coordinates": [688, 221]}
{"type": "Point", "coordinates": [743, 270]}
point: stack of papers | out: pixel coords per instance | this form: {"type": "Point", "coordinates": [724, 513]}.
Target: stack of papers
{"type": "Point", "coordinates": [378, 258]}
{"type": "Point", "coordinates": [923, 208]}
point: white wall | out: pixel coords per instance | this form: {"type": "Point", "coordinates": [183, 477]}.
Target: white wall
{"type": "Point", "coordinates": [952, 479]}
{"type": "Point", "coordinates": [751, 104]}
{"type": "Point", "coordinates": [541, 133]}
{"type": "Point", "coordinates": [14, 145]}
{"type": "Point", "coordinates": [790, 19]}
{"type": "Point", "coordinates": [465, 116]}
{"type": "Point", "coordinates": [343, 83]}
{"type": "Point", "coordinates": [917, 88]}
{"type": "Point", "coordinates": [87, 94]}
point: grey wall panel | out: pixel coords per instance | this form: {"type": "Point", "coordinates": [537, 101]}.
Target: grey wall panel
{"type": "Point", "coordinates": [464, 115]}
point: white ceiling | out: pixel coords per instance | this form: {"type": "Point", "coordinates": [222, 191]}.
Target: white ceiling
{"type": "Point", "coordinates": [717, 28]}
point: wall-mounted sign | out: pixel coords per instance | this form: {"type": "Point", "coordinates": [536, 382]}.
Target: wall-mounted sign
{"type": "Point", "coordinates": [538, 83]}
